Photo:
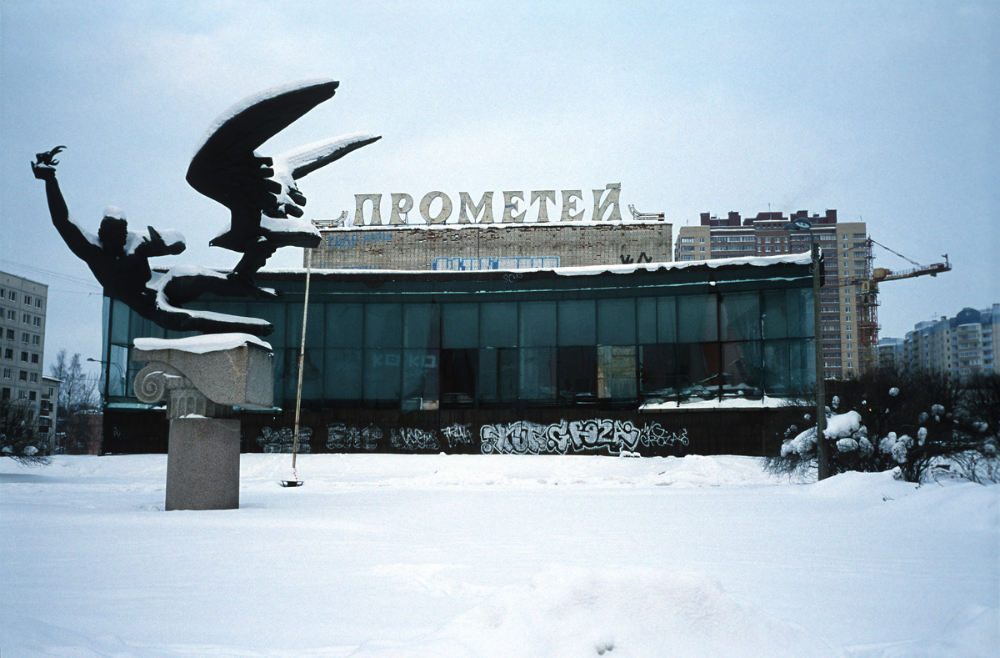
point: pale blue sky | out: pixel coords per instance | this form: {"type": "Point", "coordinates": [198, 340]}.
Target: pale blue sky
{"type": "Point", "coordinates": [886, 111]}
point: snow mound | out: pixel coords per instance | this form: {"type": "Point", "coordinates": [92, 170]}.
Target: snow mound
{"type": "Point", "coordinates": [577, 612]}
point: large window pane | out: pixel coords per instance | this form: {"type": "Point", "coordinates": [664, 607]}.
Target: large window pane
{"type": "Point", "coordinates": [119, 322]}
{"type": "Point", "coordinates": [658, 370]}
{"type": "Point", "coordinates": [775, 314]}
{"type": "Point", "coordinates": [314, 324]}
{"type": "Point", "coordinates": [741, 316]}
{"type": "Point", "coordinates": [312, 373]}
{"type": "Point", "coordinates": [383, 326]}
{"type": "Point", "coordinates": [498, 324]}
{"type": "Point", "coordinates": [420, 375]}
{"type": "Point", "coordinates": [577, 322]}
{"type": "Point", "coordinates": [342, 374]}
{"type": "Point", "coordinates": [666, 320]}
{"type": "Point", "coordinates": [382, 370]}
{"type": "Point", "coordinates": [420, 325]}
{"type": "Point", "coordinates": [698, 368]}
{"type": "Point", "coordinates": [744, 368]}
{"type": "Point", "coordinates": [344, 325]}
{"type": "Point", "coordinates": [616, 371]}
{"type": "Point", "coordinates": [645, 313]}
{"type": "Point", "coordinates": [616, 321]}
{"type": "Point", "coordinates": [498, 378]}
{"type": "Point", "coordinates": [538, 324]}
{"type": "Point", "coordinates": [800, 313]}
{"type": "Point", "coordinates": [537, 373]}
{"type": "Point", "coordinates": [459, 376]}
{"type": "Point", "coordinates": [697, 319]}
{"type": "Point", "coordinates": [577, 377]}
{"type": "Point", "coordinates": [460, 325]}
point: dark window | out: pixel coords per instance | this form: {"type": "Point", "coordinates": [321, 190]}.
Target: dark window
{"type": "Point", "coordinates": [577, 376]}
{"type": "Point", "coordinates": [459, 374]}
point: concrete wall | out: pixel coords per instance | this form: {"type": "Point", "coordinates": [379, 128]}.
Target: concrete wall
{"type": "Point", "coordinates": [496, 247]}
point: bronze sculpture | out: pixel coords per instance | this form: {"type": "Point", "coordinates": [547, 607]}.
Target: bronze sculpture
{"type": "Point", "coordinates": [260, 192]}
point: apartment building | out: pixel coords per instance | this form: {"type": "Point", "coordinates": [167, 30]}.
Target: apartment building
{"type": "Point", "coordinates": [846, 255]}
{"type": "Point", "coordinates": [22, 339]}
{"type": "Point", "coordinates": [962, 346]}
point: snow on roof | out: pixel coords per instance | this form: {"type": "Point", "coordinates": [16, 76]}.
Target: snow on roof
{"type": "Point", "coordinates": [200, 344]}
{"type": "Point", "coordinates": [452, 226]}
{"type": "Point", "coordinates": [585, 270]}
{"type": "Point", "coordinates": [726, 403]}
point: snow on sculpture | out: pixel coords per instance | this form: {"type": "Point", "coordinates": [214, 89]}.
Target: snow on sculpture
{"type": "Point", "coordinates": [261, 193]}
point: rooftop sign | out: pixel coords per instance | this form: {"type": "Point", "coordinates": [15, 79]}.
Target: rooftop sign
{"type": "Point", "coordinates": [438, 207]}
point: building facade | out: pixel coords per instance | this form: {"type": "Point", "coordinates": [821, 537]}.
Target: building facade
{"type": "Point", "coordinates": [962, 346]}
{"type": "Point", "coordinates": [892, 352]}
{"type": "Point", "coordinates": [23, 305]}
{"type": "Point", "coordinates": [551, 360]}
{"type": "Point", "coordinates": [468, 247]}
{"type": "Point", "coordinates": [846, 258]}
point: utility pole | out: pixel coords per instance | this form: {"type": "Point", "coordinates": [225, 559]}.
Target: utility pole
{"type": "Point", "coordinates": [822, 459]}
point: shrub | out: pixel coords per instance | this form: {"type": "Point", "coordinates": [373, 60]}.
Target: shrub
{"type": "Point", "coordinates": [905, 419]}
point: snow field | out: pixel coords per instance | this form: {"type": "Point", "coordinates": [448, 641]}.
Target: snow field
{"type": "Point", "coordinates": [463, 555]}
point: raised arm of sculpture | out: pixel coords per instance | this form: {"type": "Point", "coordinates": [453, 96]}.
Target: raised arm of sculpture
{"type": "Point", "coordinates": [81, 243]}
{"type": "Point", "coordinates": [260, 192]}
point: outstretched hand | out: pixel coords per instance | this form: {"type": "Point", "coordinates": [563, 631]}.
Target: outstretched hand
{"type": "Point", "coordinates": [45, 163]}
{"type": "Point", "coordinates": [163, 248]}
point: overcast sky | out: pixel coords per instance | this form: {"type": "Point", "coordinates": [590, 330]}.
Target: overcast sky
{"type": "Point", "coordinates": [885, 111]}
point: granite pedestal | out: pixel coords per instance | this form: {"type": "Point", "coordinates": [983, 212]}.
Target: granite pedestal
{"type": "Point", "coordinates": [202, 378]}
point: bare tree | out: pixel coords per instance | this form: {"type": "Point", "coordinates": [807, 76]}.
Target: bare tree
{"type": "Point", "coordinates": [77, 394]}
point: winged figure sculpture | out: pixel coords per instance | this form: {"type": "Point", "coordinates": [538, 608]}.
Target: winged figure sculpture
{"type": "Point", "coordinates": [261, 193]}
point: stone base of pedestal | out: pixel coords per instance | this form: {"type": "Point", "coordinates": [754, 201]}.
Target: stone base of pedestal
{"type": "Point", "coordinates": [203, 464]}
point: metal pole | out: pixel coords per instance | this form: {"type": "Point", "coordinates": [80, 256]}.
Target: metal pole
{"type": "Point", "coordinates": [302, 352]}
{"type": "Point", "coordinates": [822, 470]}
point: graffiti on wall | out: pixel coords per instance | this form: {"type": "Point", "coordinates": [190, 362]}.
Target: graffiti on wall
{"type": "Point", "coordinates": [523, 437]}
{"type": "Point", "coordinates": [519, 438]}
{"type": "Point", "coordinates": [412, 438]}
{"type": "Point", "coordinates": [341, 436]}
{"type": "Point", "coordinates": [282, 440]}
{"type": "Point", "coordinates": [457, 434]}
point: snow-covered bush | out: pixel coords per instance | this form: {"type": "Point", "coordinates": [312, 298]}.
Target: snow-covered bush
{"type": "Point", "coordinates": [19, 438]}
{"type": "Point", "coordinates": [914, 420]}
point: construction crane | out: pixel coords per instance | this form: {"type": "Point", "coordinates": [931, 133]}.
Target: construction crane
{"type": "Point", "coordinates": [867, 296]}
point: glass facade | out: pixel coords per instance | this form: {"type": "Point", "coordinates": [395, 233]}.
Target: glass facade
{"type": "Point", "coordinates": [413, 340]}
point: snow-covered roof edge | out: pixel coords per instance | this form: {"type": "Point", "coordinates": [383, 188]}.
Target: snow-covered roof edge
{"type": "Point", "coordinates": [756, 261]}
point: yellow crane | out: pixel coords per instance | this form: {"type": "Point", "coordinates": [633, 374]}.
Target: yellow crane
{"type": "Point", "coordinates": [867, 295]}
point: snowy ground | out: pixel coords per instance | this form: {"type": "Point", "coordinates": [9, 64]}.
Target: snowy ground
{"type": "Point", "coordinates": [394, 555]}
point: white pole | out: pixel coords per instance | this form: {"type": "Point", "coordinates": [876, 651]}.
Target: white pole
{"type": "Point", "coordinates": [302, 351]}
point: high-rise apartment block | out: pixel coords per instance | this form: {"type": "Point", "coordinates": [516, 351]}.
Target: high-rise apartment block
{"type": "Point", "coordinates": [962, 346]}
{"type": "Point", "coordinates": [22, 325]}
{"type": "Point", "coordinates": [846, 256]}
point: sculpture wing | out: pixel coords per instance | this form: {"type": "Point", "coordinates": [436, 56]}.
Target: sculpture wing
{"type": "Point", "coordinates": [226, 167]}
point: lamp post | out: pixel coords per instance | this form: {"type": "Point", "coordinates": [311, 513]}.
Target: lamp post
{"type": "Point", "coordinates": [822, 461]}
{"type": "Point", "coordinates": [121, 371]}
